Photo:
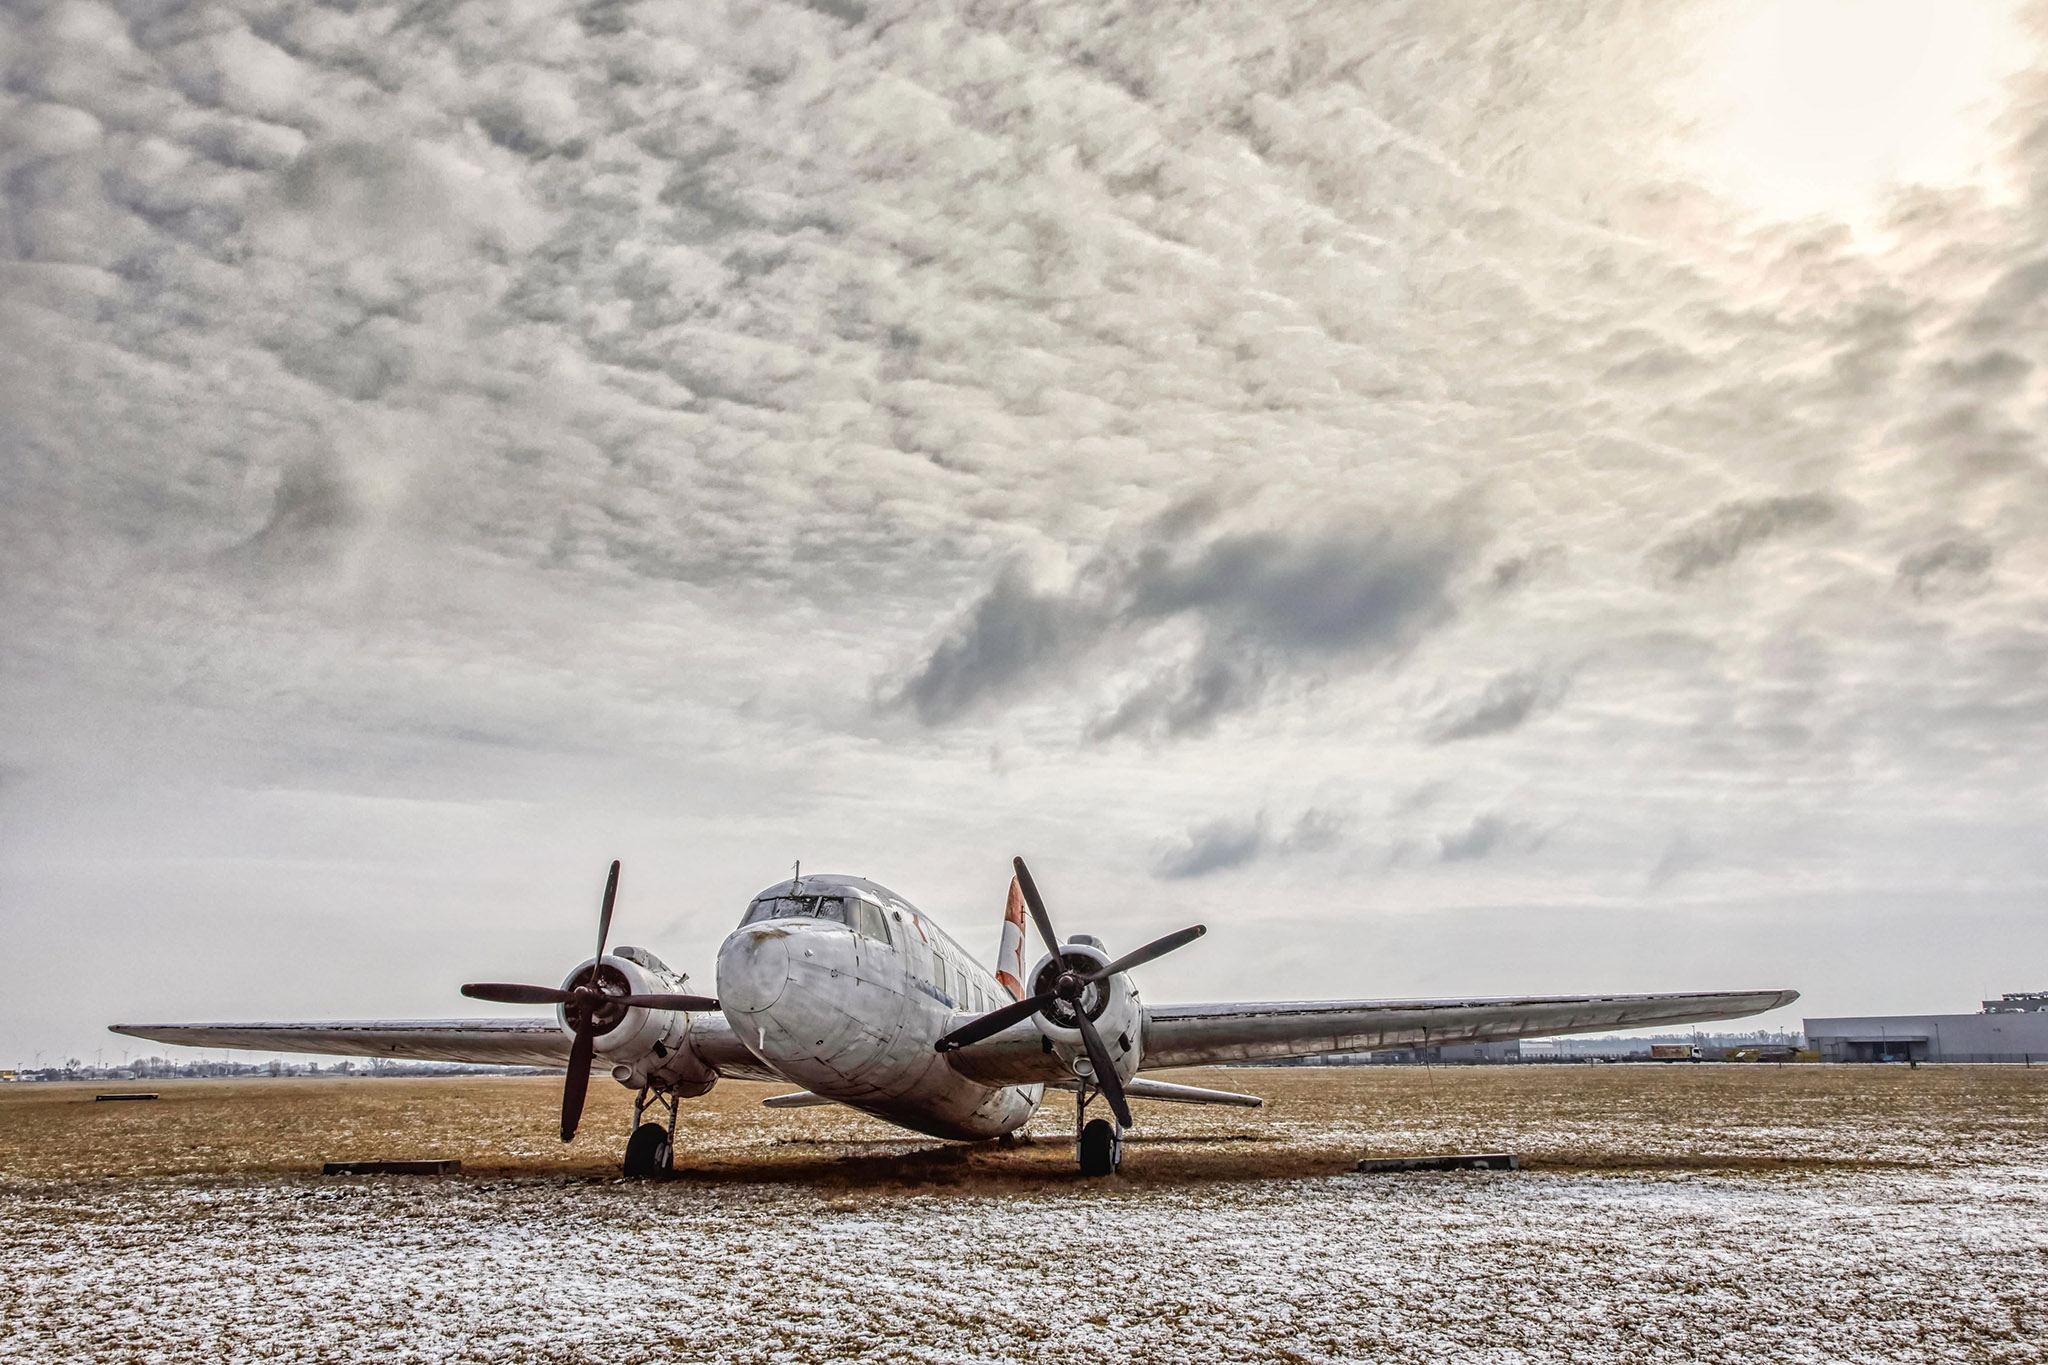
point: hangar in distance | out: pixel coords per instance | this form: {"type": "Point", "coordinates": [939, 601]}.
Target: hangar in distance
{"type": "Point", "coordinates": [841, 986]}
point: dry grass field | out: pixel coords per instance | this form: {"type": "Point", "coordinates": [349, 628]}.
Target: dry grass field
{"type": "Point", "coordinates": [1682, 1212]}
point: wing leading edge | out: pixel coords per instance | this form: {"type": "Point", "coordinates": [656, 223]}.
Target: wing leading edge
{"type": "Point", "coordinates": [494, 1042]}
{"type": "Point", "coordinates": [490, 1042]}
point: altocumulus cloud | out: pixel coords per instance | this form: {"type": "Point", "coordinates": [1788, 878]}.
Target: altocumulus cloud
{"type": "Point", "coordinates": [643, 379]}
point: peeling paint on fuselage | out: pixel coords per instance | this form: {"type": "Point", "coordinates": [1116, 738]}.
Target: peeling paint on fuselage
{"type": "Point", "coordinates": [854, 1020]}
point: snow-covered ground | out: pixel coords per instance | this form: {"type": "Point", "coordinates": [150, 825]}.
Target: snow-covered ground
{"type": "Point", "coordinates": [1869, 1266]}
{"type": "Point", "coordinates": [1944, 1257]}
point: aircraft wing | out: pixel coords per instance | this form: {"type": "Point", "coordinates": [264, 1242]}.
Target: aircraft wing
{"type": "Point", "coordinates": [1209, 1035]}
{"type": "Point", "coordinates": [493, 1042]}
{"type": "Point", "coordinates": [1205, 1035]}
{"type": "Point", "coordinates": [497, 1042]}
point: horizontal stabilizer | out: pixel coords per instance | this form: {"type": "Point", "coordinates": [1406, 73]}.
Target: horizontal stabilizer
{"type": "Point", "coordinates": [1138, 1088]}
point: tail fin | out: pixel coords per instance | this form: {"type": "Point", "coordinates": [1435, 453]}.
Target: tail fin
{"type": "Point", "coordinates": [1010, 957]}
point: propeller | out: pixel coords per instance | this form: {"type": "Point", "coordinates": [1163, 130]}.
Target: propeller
{"type": "Point", "coordinates": [501, 993]}
{"type": "Point", "coordinates": [1069, 987]}
{"type": "Point", "coordinates": [586, 1005]}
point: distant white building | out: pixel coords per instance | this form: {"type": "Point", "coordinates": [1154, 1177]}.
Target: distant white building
{"type": "Point", "coordinates": [2011, 1029]}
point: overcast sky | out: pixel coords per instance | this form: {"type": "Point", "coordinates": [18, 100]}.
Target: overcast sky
{"type": "Point", "coordinates": [1461, 499]}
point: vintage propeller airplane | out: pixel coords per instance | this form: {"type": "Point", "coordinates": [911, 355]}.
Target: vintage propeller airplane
{"type": "Point", "coordinates": [843, 987]}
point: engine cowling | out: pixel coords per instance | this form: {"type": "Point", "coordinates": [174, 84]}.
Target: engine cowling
{"type": "Point", "coordinates": [1112, 1006]}
{"type": "Point", "coordinates": [646, 1047]}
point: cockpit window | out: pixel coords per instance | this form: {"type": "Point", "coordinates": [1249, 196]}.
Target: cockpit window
{"type": "Point", "coordinates": [869, 919]}
{"type": "Point", "coordinates": [797, 907]}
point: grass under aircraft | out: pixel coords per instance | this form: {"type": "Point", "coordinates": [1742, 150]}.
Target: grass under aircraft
{"type": "Point", "coordinates": [841, 986]}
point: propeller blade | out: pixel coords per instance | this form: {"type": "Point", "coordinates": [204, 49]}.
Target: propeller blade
{"type": "Point", "coordinates": [505, 994]}
{"type": "Point", "coordinates": [1038, 915]}
{"type": "Point", "coordinates": [604, 916]}
{"type": "Point", "coordinates": [1158, 947]}
{"type": "Point", "coordinates": [686, 1003]}
{"type": "Point", "coordinates": [577, 1082]}
{"type": "Point", "coordinates": [992, 1023]}
{"type": "Point", "coordinates": [1106, 1080]}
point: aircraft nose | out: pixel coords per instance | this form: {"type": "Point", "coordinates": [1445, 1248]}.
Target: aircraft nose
{"type": "Point", "coordinates": [753, 969]}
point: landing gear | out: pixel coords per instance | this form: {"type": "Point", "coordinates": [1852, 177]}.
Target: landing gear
{"type": "Point", "coordinates": [649, 1155]}
{"type": "Point", "coordinates": [1098, 1143]}
{"type": "Point", "coordinates": [650, 1151]}
{"type": "Point", "coordinates": [1102, 1148]}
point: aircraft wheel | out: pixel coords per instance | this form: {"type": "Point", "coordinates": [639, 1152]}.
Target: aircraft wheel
{"type": "Point", "coordinates": [1102, 1150]}
{"type": "Point", "coordinates": [647, 1153]}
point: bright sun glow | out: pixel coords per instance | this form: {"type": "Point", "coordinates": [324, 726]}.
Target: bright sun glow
{"type": "Point", "coordinates": [1806, 107]}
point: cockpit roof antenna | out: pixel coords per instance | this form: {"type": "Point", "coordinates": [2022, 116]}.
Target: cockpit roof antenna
{"type": "Point", "coordinates": [796, 880]}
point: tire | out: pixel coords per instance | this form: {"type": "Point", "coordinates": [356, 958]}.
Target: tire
{"type": "Point", "coordinates": [647, 1153]}
{"type": "Point", "coordinates": [1101, 1150]}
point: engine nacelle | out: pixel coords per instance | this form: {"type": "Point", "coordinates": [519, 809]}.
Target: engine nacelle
{"type": "Point", "coordinates": [646, 1047]}
{"type": "Point", "coordinates": [1112, 1006]}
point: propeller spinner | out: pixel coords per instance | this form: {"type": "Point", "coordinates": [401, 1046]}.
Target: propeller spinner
{"type": "Point", "coordinates": [590, 1008]}
{"type": "Point", "coordinates": [1067, 988]}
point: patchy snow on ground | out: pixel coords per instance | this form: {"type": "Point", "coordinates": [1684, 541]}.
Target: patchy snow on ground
{"type": "Point", "coordinates": [1869, 1266]}
{"type": "Point", "coordinates": [1737, 1214]}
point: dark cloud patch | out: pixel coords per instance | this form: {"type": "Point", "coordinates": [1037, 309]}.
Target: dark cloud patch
{"type": "Point", "coordinates": [1356, 590]}
{"type": "Point", "coordinates": [377, 192]}
{"type": "Point", "coordinates": [2013, 298]}
{"type": "Point", "coordinates": [1008, 640]}
{"type": "Point", "coordinates": [1319, 827]}
{"type": "Point", "coordinates": [1215, 847]}
{"type": "Point", "coordinates": [1680, 856]}
{"type": "Point", "coordinates": [845, 11]}
{"type": "Point", "coordinates": [1953, 564]}
{"type": "Point", "coordinates": [1506, 703]}
{"type": "Point", "coordinates": [1997, 371]}
{"type": "Point", "coordinates": [1486, 836]}
{"type": "Point", "coordinates": [1644, 357]}
{"type": "Point", "coordinates": [1186, 699]}
{"type": "Point", "coordinates": [363, 363]}
{"type": "Point", "coordinates": [312, 510]}
{"type": "Point", "coordinates": [1359, 587]}
{"type": "Point", "coordinates": [1517, 570]}
{"type": "Point", "coordinates": [1725, 533]}
{"type": "Point", "coordinates": [1219, 845]}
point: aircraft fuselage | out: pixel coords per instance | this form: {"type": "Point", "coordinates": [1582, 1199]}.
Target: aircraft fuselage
{"type": "Point", "coordinates": [841, 987]}
{"type": "Point", "coordinates": [854, 1020]}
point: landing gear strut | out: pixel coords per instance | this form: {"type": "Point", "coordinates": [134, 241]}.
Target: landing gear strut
{"type": "Point", "coordinates": [650, 1151]}
{"type": "Point", "coordinates": [1099, 1143]}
